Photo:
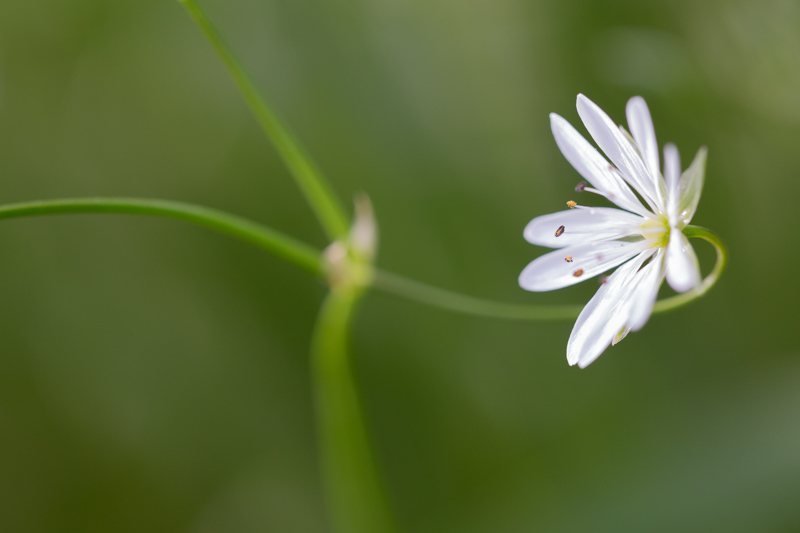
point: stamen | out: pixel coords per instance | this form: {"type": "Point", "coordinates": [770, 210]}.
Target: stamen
{"type": "Point", "coordinates": [568, 259]}
{"type": "Point", "coordinates": [580, 186]}
{"type": "Point", "coordinates": [572, 204]}
{"type": "Point", "coordinates": [597, 192]}
{"type": "Point", "coordinates": [560, 231]}
{"type": "Point", "coordinates": [578, 273]}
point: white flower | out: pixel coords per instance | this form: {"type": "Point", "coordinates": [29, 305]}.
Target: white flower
{"type": "Point", "coordinates": [644, 236]}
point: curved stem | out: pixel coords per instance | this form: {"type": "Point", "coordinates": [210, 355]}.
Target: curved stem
{"type": "Point", "coordinates": [281, 245]}
{"type": "Point", "coordinates": [679, 300]}
{"type": "Point", "coordinates": [470, 305]}
{"type": "Point", "coordinates": [310, 259]}
{"type": "Point", "coordinates": [316, 190]}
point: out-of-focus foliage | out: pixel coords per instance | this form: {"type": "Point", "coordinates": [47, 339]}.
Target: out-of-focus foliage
{"type": "Point", "coordinates": [154, 377]}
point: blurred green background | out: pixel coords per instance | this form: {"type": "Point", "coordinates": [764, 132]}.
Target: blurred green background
{"type": "Point", "coordinates": [154, 376]}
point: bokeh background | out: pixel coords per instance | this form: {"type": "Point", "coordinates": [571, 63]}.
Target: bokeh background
{"type": "Point", "coordinates": [155, 377]}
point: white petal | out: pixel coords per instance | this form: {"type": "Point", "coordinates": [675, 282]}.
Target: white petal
{"type": "Point", "coordinates": [604, 316]}
{"type": "Point", "coordinates": [683, 271]}
{"type": "Point", "coordinates": [618, 149]}
{"type": "Point", "coordinates": [552, 271]}
{"type": "Point", "coordinates": [581, 225]}
{"type": "Point", "coordinates": [641, 124]}
{"type": "Point", "coordinates": [585, 338]}
{"type": "Point", "coordinates": [646, 293]}
{"type": "Point", "coordinates": [691, 186]}
{"type": "Point", "coordinates": [672, 174]}
{"type": "Point", "coordinates": [592, 166]}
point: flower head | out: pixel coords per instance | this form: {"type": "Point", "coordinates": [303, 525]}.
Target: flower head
{"type": "Point", "coordinates": [642, 237]}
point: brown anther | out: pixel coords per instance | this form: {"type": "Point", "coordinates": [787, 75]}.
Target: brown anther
{"type": "Point", "coordinates": [580, 186]}
{"type": "Point", "coordinates": [568, 259]}
{"type": "Point", "coordinates": [560, 231]}
{"type": "Point", "coordinates": [572, 204]}
{"type": "Point", "coordinates": [578, 273]}
{"type": "Point", "coordinates": [602, 280]}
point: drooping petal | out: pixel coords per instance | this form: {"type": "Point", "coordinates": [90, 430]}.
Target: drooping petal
{"type": "Point", "coordinates": [581, 225]}
{"type": "Point", "coordinates": [618, 149]}
{"type": "Point", "coordinates": [573, 264]}
{"type": "Point", "coordinates": [691, 186]}
{"type": "Point", "coordinates": [586, 339]}
{"type": "Point", "coordinates": [592, 166]}
{"type": "Point", "coordinates": [683, 270]}
{"type": "Point", "coordinates": [605, 315]}
{"type": "Point", "coordinates": [641, 124]}
{"type": "Point", "coordinates": [672, 175]}
{"type": "Point", "coordinates": [643, 294]}
{"type": "Point", "coordinates": [652, 275]}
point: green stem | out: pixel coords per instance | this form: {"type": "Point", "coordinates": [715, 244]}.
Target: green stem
{"type": "Point", "coordinates": [679, 300]}
{"type": "Point", "coordinates": [354, 493]}
{"type": "Point", "coordinates": [285, 247]}
{"type": "Point", "coordinates": [316, 190]}
{"type": "Point", "coordinates": [460, 303]}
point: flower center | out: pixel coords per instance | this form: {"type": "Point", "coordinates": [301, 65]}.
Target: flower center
{"type": "Point", "coordinates": [656, 230]}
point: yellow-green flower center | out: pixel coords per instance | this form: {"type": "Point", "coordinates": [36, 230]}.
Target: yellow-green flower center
{"type": "Point", "coordinates": [656, 230]}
